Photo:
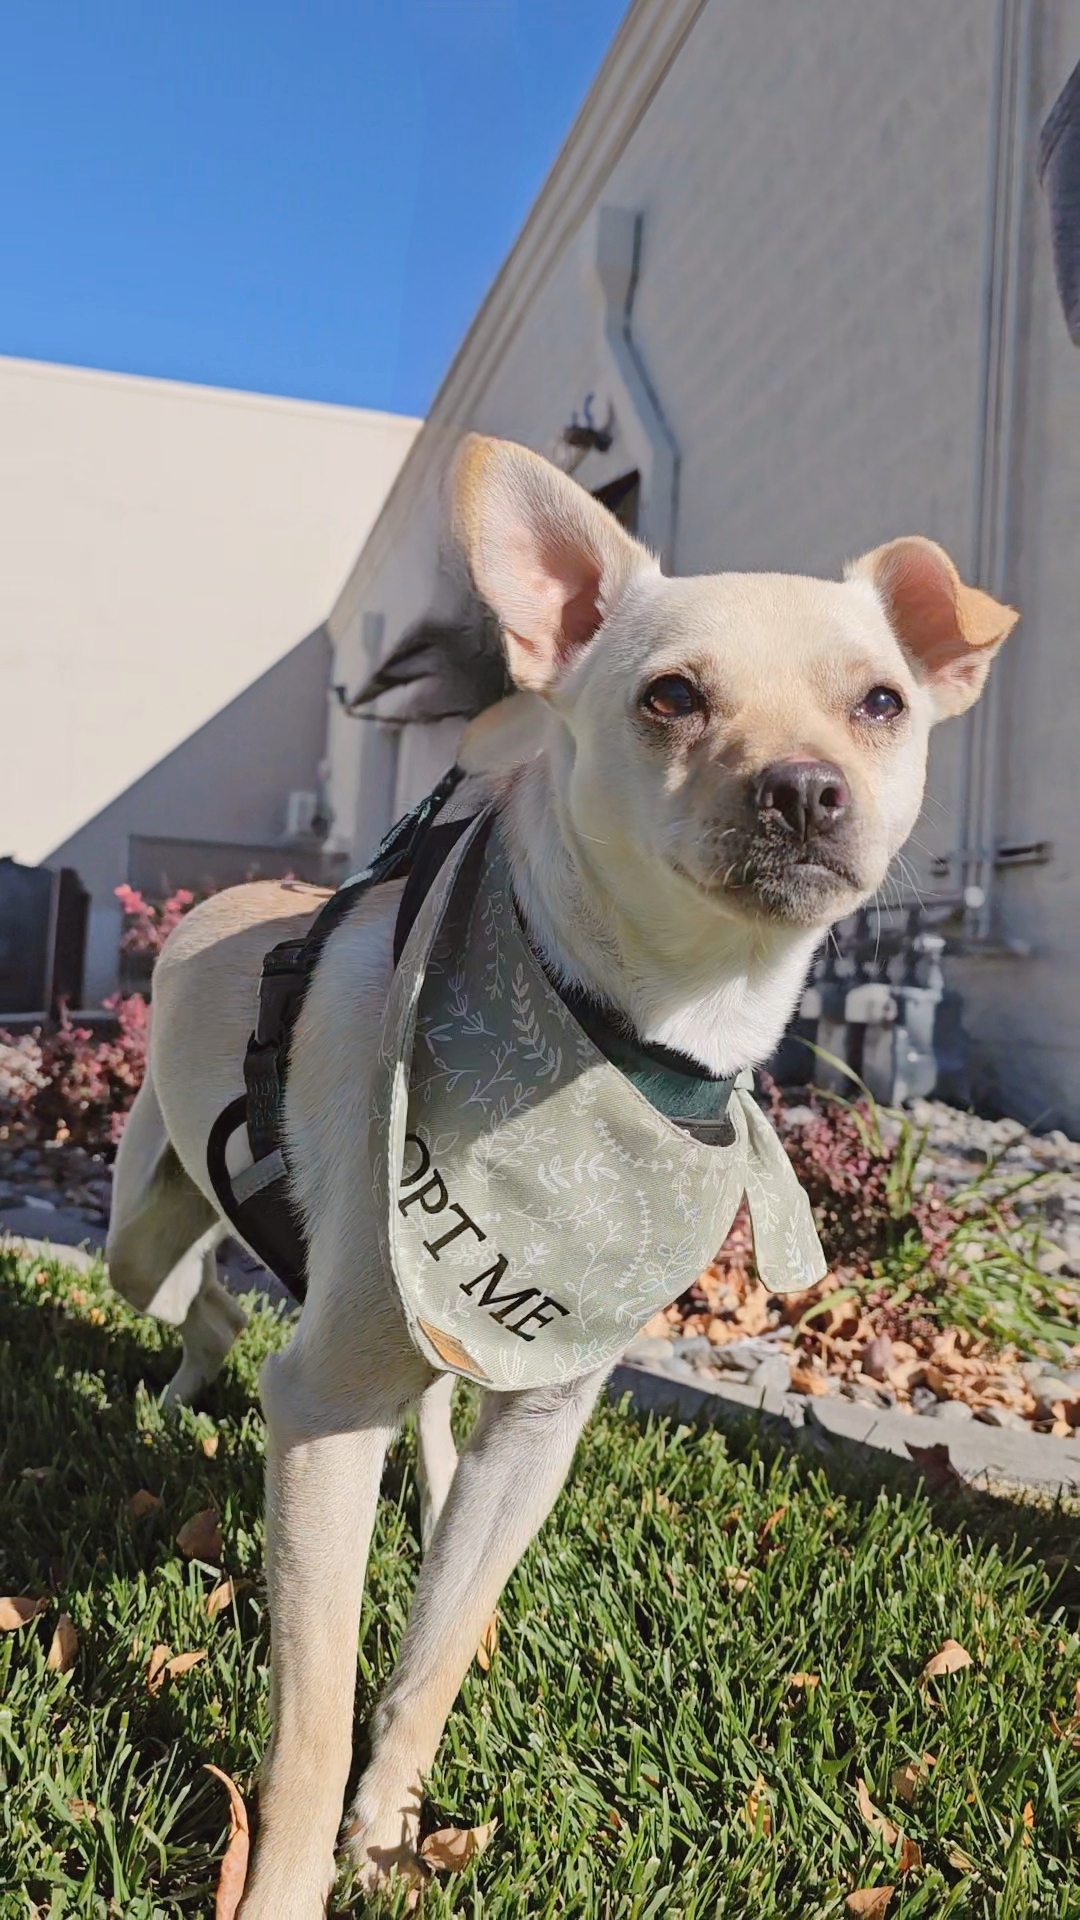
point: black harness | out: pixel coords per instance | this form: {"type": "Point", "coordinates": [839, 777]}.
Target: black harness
{"type": "Point", "coordinates": [258, 1201]}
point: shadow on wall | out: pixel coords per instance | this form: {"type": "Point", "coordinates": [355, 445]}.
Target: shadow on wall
{"type": "Point", "coordinates": [215, 810]}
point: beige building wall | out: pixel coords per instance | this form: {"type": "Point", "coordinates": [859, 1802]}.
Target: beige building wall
{"type": "Point", "coordinates": [811, 306]}
{"type": "Point", "coordinates": [162, 546]}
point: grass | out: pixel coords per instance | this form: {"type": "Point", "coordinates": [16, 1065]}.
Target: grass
{"type": "Point", "coordinates": [641, 1688]}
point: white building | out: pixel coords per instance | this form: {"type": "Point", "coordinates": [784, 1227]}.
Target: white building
{"type": "Point", "coordinates": [798, 256]}
{"type": "Point", "coordinates": [169, 556]}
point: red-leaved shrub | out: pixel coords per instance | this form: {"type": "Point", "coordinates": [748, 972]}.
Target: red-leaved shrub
{"type": "Point", "coordinates": [71, 1084]}
{"type": "Point", "coordinates": [88, 1083]}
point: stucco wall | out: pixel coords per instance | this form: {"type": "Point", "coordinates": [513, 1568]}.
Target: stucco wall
{"type": "Point", "coordinates": [226, 782]}
{"type": "Point", "coordinates": [815, 186]}
{"type": "Point", "coordinates": [163, 545]}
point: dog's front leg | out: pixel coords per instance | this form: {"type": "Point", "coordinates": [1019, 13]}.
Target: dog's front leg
{"type": "Point", "coordinates": [324, 1461]}
{"type": "Point", "coordinates": [437, 1453]}
{"type": "Point", "coordinates": [505, 1485]}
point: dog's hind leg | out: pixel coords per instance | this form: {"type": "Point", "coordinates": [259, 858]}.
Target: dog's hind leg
{"type": "Point", "coordinates": [160, 1250]}
{"type": "Point", "coordinates": [436, 1453]}
{"type": "Point", "coordinates": [505, 1485]}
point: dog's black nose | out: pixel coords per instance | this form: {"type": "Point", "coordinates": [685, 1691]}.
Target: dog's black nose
{"type": "Point", "coordinates": [809, 796]}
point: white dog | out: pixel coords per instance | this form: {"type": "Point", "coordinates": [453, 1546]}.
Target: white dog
{"type": "Point", "coordinates": [696, 779]}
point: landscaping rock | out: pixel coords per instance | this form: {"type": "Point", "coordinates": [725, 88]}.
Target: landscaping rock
{"type": "Point", "coordinates": [954, 1410]}
{"type": "Point", "coordinates": [772, 1375]}
{"type": "Point", "coordinates": [698, 1350]}
{"type": "Point", "coordinates": [648, 1349]}
{"type": "Point", "coordinates": [993, 1416]}
{"type": "Point", "coordinates": [878, 1357]}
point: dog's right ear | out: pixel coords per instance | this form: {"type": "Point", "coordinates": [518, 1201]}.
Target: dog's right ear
{"type": "Point", "coordinates": [547, 558]}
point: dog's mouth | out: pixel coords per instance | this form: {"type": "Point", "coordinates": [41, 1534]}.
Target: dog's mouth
{"type": "Point", "coordinates": [799, 886]}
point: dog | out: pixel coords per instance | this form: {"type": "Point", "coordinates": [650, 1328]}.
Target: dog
{"type": "Point", "coordinates": [695, 778]}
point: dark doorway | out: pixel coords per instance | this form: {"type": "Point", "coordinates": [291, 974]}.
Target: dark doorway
{"type": "Point", "coordinates": [42, 938]}
{"type": "Point", "coordinates": [622, 498]}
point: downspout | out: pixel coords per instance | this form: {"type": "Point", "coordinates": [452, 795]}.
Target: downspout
{"type": "Point", "coordinates": [996, 447]}
{"type": "Point", "coordinates": [618, 267]}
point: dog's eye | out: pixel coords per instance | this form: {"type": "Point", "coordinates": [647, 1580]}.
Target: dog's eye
{"type": "Point", "coordinates": [881, 703]}
{"type": "Point", "coordinates": [672, 697]}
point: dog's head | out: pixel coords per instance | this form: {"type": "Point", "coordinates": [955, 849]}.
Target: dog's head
{"type": "Point", "coordinates": [759, 739]}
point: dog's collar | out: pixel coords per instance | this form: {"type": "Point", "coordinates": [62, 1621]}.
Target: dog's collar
{"type": "Point", "coordinates": [677, 1086]}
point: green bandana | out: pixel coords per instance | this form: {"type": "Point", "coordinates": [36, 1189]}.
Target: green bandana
{"type": "Point", "coordinates": [535, 1208]}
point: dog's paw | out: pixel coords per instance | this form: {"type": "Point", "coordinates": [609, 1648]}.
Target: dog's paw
{"type": "Point", "coordinates": [380, 1848]}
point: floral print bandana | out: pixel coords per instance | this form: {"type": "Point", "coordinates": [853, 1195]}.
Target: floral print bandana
{"type": "Point", "coordinates": [535, 1209]}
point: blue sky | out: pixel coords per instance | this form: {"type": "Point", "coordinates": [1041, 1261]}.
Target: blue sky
{"type": "Point", "coordinates": [305, 199]}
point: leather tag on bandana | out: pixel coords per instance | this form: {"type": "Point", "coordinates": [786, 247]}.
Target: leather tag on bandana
{"type": "Point", "coordinates": [535, 1209]}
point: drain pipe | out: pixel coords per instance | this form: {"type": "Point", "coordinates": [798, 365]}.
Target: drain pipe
{"type": "Point", "coordinates": [995, 457]}
{"type": "Point", "coordinates": [618, 267]}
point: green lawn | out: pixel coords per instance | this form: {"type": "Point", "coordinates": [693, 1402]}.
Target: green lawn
{"type": "Point", "coordinates": [640, 1689]}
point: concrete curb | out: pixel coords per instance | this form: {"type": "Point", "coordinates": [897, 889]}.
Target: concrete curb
{"type": "Point", "coordinates": [989, 1459]}
{"type": "Point", "coordinates": [81, 1258]}
{"type": "Point", "coordinates": [998, 1459]}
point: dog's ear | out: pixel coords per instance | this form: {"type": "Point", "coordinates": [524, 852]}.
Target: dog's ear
{"type": "Point", "coordinates": [949, 631]}
{"type": "Point", "coordinates": [547, 558]}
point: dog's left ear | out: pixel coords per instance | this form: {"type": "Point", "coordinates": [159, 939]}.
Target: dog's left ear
{"type": "Point", "coordinates": [949, 631]}
{"type": "Point", "coordinates": [548, 559]}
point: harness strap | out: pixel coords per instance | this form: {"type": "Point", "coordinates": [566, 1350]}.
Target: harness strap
{"type": "Point", "coordinates": [258, 1201]}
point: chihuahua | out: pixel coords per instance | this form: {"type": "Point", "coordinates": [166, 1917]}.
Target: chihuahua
{"type": "Point", "coordinates": [695, 778]}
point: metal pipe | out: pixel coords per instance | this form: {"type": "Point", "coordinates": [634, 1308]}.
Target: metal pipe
{"type": "Point", "coordinates": [618, 266]}
{"type": "Point", "coordinates": [995, 455]}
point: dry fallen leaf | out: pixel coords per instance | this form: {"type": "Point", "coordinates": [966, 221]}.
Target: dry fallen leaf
{"type": "Point", "coordinates": [949, 1658]}
{"type": "Point", "coordinates": [756, 1810]}
{"type": "Point", "coordinates": [773, 1520]}
{"type": "Point", "coordinates": [1028, 1818]}
{"type": "Point", "coordinates": [200, 1537]}
{"type": "Point", "coordinates": [82, 1809]}
{"type": "Point", "coordinates": [164, 1665]}
{"type": "Point", "coordinates": [910, 1854]}
{"type": "Point", "coordinates": [143, 1503]}
{"type": "Point", "coordinates": [15, 1611]}
{"type": "Point", "coordinates": [962, 1861]}
{"type": "Point", "coordinates": [234, 1865]}
{"type": "Point", "coordinates": [871, 1902]}
{"type": "Point", "coordinates": [221, 1597]}
{"type": "Point", "coordinates": [155, 1666]}
{"type": "Point", "coordinates": [807, 1680]}
{"type": "Point", "coordinates": [489, 1641]}
{"type": "Point", "coordinates": [452, 1848]}
{"type": "Point", "coordinates": [36, 1473]}
{"type": "Point", "coordinates": [878, 1821]}
{"type": "Point", "coordinates": [183, 1663]}
{"type": "Point", "coordinates": [806, 1380]}
{"type": "Point", "coordinates": [209, 1444]}
{"type": "Point", "coordinates": [906, 1779]}
{"type": "Point", "coordinates": [64, 1646]}
{"type": "Point", "coordinates": [937, 1469]}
